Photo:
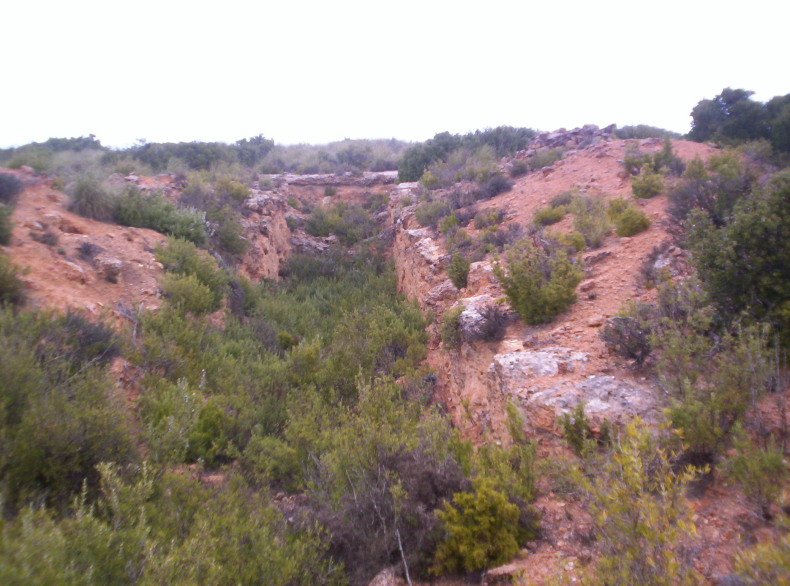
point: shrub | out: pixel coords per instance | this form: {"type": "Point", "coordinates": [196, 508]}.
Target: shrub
{"type": "Point", "coordinates": [158, 213]}
{"type": "Point", "coordinates": [228, 232]}
{"type": "Point", "coordinates": [640, 513]}
{"type": "Point", "coordinates": [494, 322]}
{"type": "Point", "coordinates": [544, 158]}
{"type": "Point", "coordinates": [540, 280]}
{"type": "Point", "coordinates": [743, 263]}
{"type": "Point", "coordinates": [519, 168]}
{"type": "Point", "coordinates": [46, 237]}
{"type": "Point", "coordinates": [458, 270]}
{"type": "Point", "coordinates": [573, 240]}
{"type": "Point", "coordinates": [6, 225]}
{"type": "Point", "coordinates": [184, 258]}
{"type": "Point", "coordinates": [489, 217]}
{"type": "Point", "coordinates": [188, 293]}
{"type": "Point", "coordinates": [579, 433]}
{"type": "Point", "coordinates": [430, 212]}
{"type": "Point", "coordinates": [12, 289]}
{"type": "Point", "coordinates": [667, 161]}
{"type": "Point", "coordinates": [10, 188]}
{"type": "Point", "coordinates": [563, 198]}
{"type": "Point", "coordinates": [760, 472]}
{"type": "Point", "coordinates": [634, 160]}
{"type": "Point", "coordinates": [90, 199]}
{"type": "Point", "coordinates": [648, 184]}
{"type": "Point", "coordinates": [628, 219]}
{"type": "Point", "coordinates": [493, 186]}
{"type": "Point", "coordinates": [548, 216]}
{"type": "Point", "coordinates": [590, 219]}
{"type": "Point", "coordinates": [450, 330]}
{"type": "Point", "coordinates": [349, 222]}
{"type": "Point", "coordinates": [767, 563]}
{"type": "Point", "coordinates": [628, 335]}
{"type": "Point", "coordinates": [480, 531]}
{"type": "Point", "coordinates": [447, 223]}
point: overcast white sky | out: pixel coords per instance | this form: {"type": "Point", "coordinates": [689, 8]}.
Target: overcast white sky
{"type": "Point", "coordinates": [318, 71]}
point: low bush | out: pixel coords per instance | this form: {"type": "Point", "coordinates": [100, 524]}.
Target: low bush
{"type": "Point", "coordinates": [188, 293]}
{"type": "Point", "coordinates": [480, 530]}
{"type": "Point", "coordinates": [349, 222]}
{"type": "Point", "coordinates": [563, 198]}
{"type": "Point", "coordinates": [634, 160]}
{"type": "Point", "coordinates": [46, 237]}
{"type": "Point", "coordinates": [458, 270]}
{"type": "Point", "coordinates": [494, 322]}
{"type": "Point", "coordinates": [548, 216]}
{"type": "Point", "coordinates": [493, 186]}
{"type": "Point", "coordinates": [590, 219]}
{"type": "Point", "coordinates": [158, 213]}
{"type": "Point", "coordinates": [10, 188]}
{"type": "Point", "coordinates": [578, 432]}
{"type": "Point", "coordinates": [12, 289]}
{"type": "Point", "coordinates": [760, 472]}
{"type": "Point", "coordinates": [450, 329]}
{"type": "Point", "coordinates": [540, 280]}
{"type": "Point", "coordinates": [628, 335]}
{"type": "Point", "coordinates": [431, 212]}
{"type": "Point", "coordinates": [6, 225]}
{"type": "Point", "coordinates": [627, 218]}
{"type": "Point", "coordinates": [647, 184]}
{"type": "Point", "coordinates": [640, 514]}
{"type": "Point", "coordinates": [90, 199]}
{"type": "Point", "coordinates": [183, 258]}
{"type": "Point", "coordinates": [488, 217]}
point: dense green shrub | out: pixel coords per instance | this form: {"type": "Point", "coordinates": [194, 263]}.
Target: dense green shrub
{"type": "Point", "coordinates": [760, 472]}
{"type": "Point", "coordinates": [493, 186]}
{"type": "Point", "coordinates": [627, 218]}
{"type": "Point", "coordinates": [60, 415]}
{"type": "Point", "coordinates": [480, 531]}
{"type": "Point", "coordinates": [157, 212]}
{"type": "Point", "coordinates": [590, 219]}
{"type": "Point", "coordinates": [349, 222]}
{"type": "Point", "coordinates": [90, 199]}
{"type": "Point", "coordinates": [458, 270]}
{"type": "Point", "coordinates": [10, 188]}
{"type": "Point", "coordinates": [578, 432]}
{"type": "Point", "coordinates": [744, 263]}
{"type": "Point", "coordinates": [12, 289]}
{"type": "Point", "coordinates": [6, 225]}
{"type": "Point", "coordinates": [450, 330]}
{"type": "Point", "coordinates": [549, 215]}
{"type": "Point", "coordinates": [540, 280]}
{"type": "Point", "coordinates": [183, 258]}
{"type": "Point", "coordinates": [430, 213]}
{"type": "Point", "coordinates": [188, 293]}
{"type": "Point", "coordinates": [766, 563]}
{"type": "Point", "coordinates": [648, 183]}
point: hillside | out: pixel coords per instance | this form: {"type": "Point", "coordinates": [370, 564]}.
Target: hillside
{"type": "Point", "coordinates": [545, 370]}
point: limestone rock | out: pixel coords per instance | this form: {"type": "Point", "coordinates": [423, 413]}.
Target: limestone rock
{"type": "Point", "coordinates": [108, 267]}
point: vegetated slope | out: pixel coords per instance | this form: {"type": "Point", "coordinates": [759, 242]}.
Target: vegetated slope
{"type": "Point", "coordinates": [545, 370]}
{"type": "Point", "coordinates": [549, 369]}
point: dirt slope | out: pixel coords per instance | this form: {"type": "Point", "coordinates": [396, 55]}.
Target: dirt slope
{"type": "Point", "coordinates": [119, 269]}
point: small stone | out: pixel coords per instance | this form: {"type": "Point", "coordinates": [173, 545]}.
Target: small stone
{"type": "Point", "coordinates": [596, 322]}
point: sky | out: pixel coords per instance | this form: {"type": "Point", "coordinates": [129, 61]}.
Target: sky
{"type": "Point", "coordinates": [301, 71]}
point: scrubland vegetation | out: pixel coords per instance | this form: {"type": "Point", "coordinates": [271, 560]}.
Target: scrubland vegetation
{"type": "Point", "coordinates": [286, 432]}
